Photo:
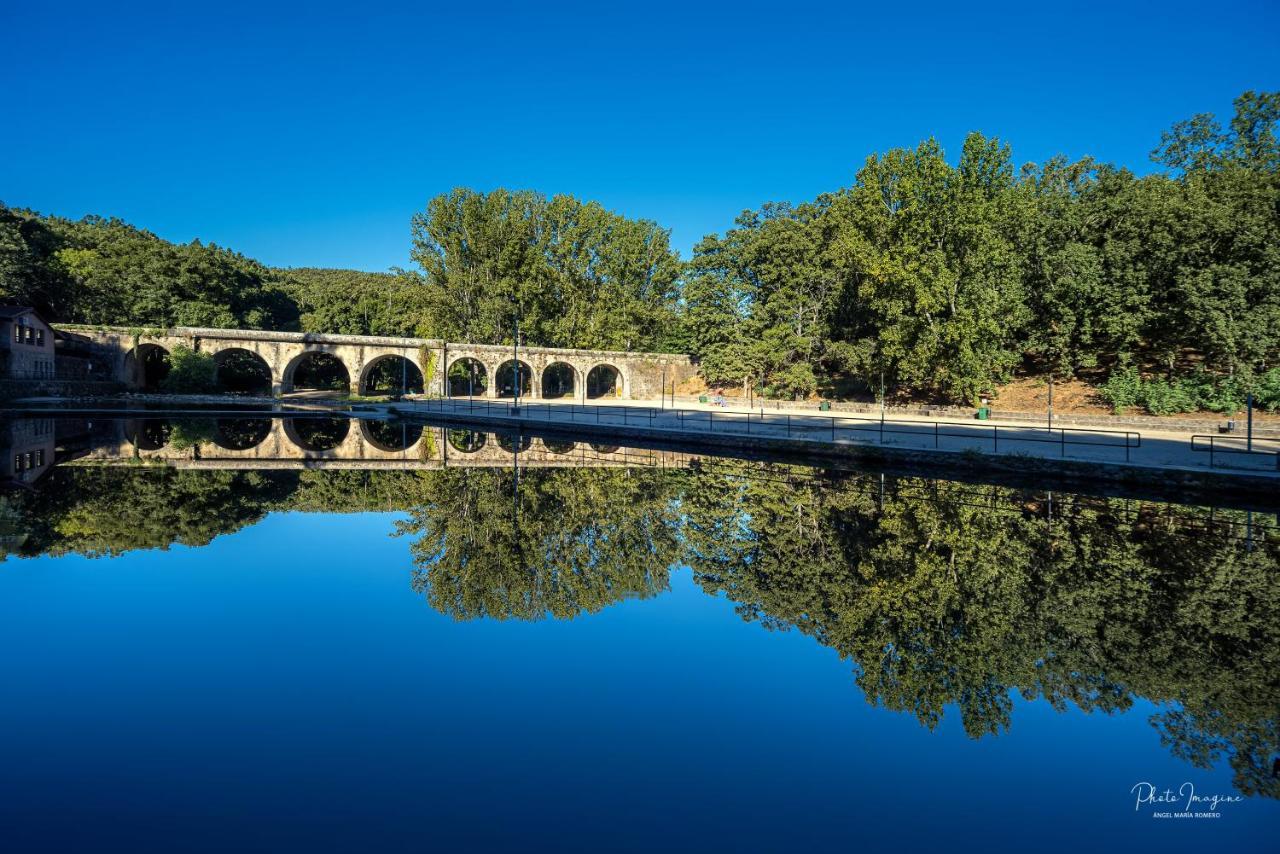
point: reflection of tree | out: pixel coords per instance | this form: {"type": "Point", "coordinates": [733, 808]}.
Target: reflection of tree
{"type": "Point", "coordinates": [108, 511]}
{"type": "Point", "coordinates": [939, 594]}
{"type": "Point", "coordinates": [570, 541]}
{"type": "Point", "coordinates": [944, 593]}
{"type": "Point", "coordinates": [191, 432]}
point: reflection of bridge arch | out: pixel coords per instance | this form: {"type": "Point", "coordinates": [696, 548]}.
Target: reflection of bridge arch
{"type": "Point", "coordinates": [317, 435]}
{"type": "Point", "coordinates": [466, 441]}
{"type": "Point", "coordinates": [403, 374]}
{"type": "Point", "coordinates": [147, 434]}
{"type": "Point", "coordinates": [309, 441]}
{"type": "Point", "coordinates": [313, 362]}
{"type": "Point", "coordinates": [513, 443]}
{"type": "Point", "coordinates": [241, 434]}
{"type": "Point", "coordinates": [388, 436]}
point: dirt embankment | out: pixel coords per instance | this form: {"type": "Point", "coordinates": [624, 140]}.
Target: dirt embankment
{"type": "Point", "coordinates": [1028, 394]}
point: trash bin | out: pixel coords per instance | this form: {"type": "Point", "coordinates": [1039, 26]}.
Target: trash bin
{"type": "Point", "coordinates": [983, 413]}
{"type": "Point", "coordinates": [825, 406]}
{"type": "Point", "coordinates": [702, 398]}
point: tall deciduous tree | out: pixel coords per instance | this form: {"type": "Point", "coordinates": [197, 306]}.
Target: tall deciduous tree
{"type": "Point", "coordinates": [579, 275]}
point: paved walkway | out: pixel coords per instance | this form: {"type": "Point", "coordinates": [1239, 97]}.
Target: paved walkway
{"type": "Point", "coordinates": [1150, 449]}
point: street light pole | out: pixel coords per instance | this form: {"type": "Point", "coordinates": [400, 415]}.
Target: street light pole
{"type": "Point", "coordinates": [1249, 434]}
{"type": "Point", "coordinates": [1050, 403]}
{"type": "Point", "coordinates": [515, 352]}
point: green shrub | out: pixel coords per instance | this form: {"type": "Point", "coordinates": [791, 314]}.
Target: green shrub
{"type": "Point", "coordinates": [1201, 390]}
{"type": "Point", "coordinates": [190, 372]}
{"type": "Point", "coordinates": [1123, 390]}
{"type": "Point", "coordinates": [1266, 391]}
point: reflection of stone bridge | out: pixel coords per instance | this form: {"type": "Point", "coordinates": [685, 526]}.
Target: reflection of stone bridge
{"type": "Point", "coordinates": [361, 363]}
{"type": "Point", "coordinates": [348, 443]}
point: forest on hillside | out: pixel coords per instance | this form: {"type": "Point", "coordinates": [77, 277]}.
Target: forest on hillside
{"type": "Point", "coordinates": [945, 277]}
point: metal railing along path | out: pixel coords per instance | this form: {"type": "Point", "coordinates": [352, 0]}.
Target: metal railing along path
{"type": "Point", "coordinates": [816, 427]}
{"type": "Point", "coordinates": [1237, 446]}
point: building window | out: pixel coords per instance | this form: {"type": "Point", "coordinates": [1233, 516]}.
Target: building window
{"type": "Point", "coordinates": [17, 333]}
{"type": "Point", "coordinates": [40, 457]}
{"type": "Point", "coordinates": [17, 463]}
{"type": "Point", "coordinates": [40, 337]}
{"type": "Point", "coordinates": [31, 334]}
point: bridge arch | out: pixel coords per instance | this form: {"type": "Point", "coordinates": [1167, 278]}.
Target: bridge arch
{"type": "Point", "coordinates": [466, 376]}
{"type": "Point", "coordinates": [146, 366]}
{"type": "Point", "coordinates": [243, 370]}
{"type": "Point", "coordinates": [316, 369]}
{"type": "Point", "coordinates": [559, 446]}
{"type": "Point", "coordinates": [505, 380]}
{"type": "Point", "coordinates": [317, 435]}
{"type": "Point", "coordinates": [606, 380]}
{"type": "Point", "coordinates": [559, 379]}
{"type": "Point", "coordinates": [390, 372]}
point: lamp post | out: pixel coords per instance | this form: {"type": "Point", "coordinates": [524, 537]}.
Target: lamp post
{"type": "Point", "coordinates": [1249, 431]}
{"type": "Point", "coordinates": [1050, 402]}
{"type": "Point", "coordinates": [515, 352]}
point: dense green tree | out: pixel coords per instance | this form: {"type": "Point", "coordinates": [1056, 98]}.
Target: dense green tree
{"type": "Point", "coordinates": [105, 271]}
{"type": "Point", "coordinates": [353, 302]}
{"type": "Point", "coordinates": [190, 372]}
{"type": "Point", "coordinates": [928, 252]}
{"type": "Point", "coordinates": [577, 275]}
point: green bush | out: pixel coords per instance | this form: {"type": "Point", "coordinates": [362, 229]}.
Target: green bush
{"type": "Point", "coordinates": [190, 372]}
{"type": "Point", "coordinates": [1123, 390]}
{"type": "Point", "coordinates": [1266, 391]}
{"type": "Point", "coordinates": [1202, 390]}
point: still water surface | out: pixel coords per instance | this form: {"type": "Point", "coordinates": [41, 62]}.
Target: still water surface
{"type": "Point", "coordinates": [457, 640]}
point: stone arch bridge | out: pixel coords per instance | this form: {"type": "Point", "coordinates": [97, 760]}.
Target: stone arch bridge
{"type": "Point", "coordinates": [440, 367]}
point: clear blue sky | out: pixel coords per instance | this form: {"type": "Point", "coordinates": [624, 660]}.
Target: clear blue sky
{"type": "Point", "coordinates": [308, 136]}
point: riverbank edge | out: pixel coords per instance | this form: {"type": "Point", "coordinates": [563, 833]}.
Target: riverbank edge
{"type": "Point", "coordinates": [1065, 474]}
{"type": "Point", "coordinates": [1242, 490]}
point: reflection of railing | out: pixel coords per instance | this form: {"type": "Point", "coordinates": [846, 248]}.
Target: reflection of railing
{"type": "Point", "coordinates": [1216, 446]}
{"type": "Point", "coordinates": [1185, 519]}
{"type": "Point", "coordinates": [824, 428]}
